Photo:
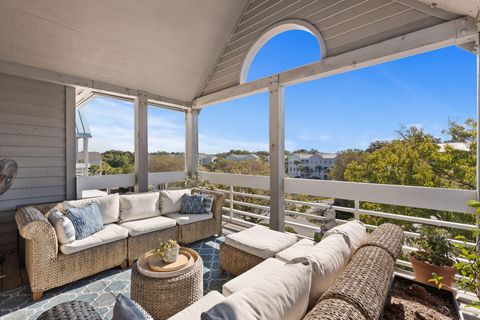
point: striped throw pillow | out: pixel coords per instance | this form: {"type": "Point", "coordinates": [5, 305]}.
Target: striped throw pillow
{"type": "Point", "coordinates": [63, 227]}
{"type": "Point", "coordinates": [207, 201]}
{"type": "Point", "coordinates": [86, 220]}
{"type": "Point", "coordinates": [192, 204]}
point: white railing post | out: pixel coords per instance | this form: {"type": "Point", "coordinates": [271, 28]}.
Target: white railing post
{"type": "Point", "coordinates": [277, 155]}
{"type": "Point", "coordinates": [231, 203]}
{"type": "Point", "coordinates": [141, 142]}
{"type": "Point", "coordinates": [357, 210]}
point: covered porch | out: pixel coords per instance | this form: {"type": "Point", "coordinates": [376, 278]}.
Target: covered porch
{"type": "Point", "coordinates": [200, 57]}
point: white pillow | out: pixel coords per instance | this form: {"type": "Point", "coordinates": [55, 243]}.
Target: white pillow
{"type": "Point", "coordinates": [355, 231]}
{"type": "Point", "coordinates": [139, 206]}
{"type": "Point", "coordinates": [63, 227]}
{"type": "Point", "coordinates": [328, 259]}
{"type": "Point", "coordinates": [108, 206]}
{"type": "Point", "coordinates": [171, 200]}
{"type": "Point", "coordinates": [282, 294]}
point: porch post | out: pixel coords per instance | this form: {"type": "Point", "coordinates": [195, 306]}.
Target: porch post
{"type": "Point", "coordinates": [141, 142]}
{"type": "Point", "coordinates": [478, 118]}
{"type": "Point", "coordinates": [277, 155]}
{"type": "Point", "coordinates": [191, 143]}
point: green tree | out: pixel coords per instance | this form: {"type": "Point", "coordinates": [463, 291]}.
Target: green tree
{"type": "Point", "coordinates": [337, 172]}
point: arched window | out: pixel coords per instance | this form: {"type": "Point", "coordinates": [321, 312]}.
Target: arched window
{"type": "Point", "coordinates": [285, 45]}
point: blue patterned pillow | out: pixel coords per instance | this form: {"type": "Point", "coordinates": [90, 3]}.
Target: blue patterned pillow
{"type": "Point", "coordinates": [192, 204]}
{"type": "Point", "coordinates": [86, 220]}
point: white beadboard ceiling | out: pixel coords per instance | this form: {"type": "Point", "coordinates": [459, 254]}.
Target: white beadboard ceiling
{"type": "Point", "coordinates": [181, 49]}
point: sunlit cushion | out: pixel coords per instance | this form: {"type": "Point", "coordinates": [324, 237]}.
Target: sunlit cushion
{"type": "Point", "coordinates": [171, 200]}
{"type": "Point", "coordinates": [109, 206]}
{"type": "Point", "coordinates": [109, 233]}
{"type": "Point", "coordinates": [251, 276]}
{"type": "Point", "coordinates": [300, 249]}
{"type": "Point", "coordinates": [354, 230]}
{"type": "Point", "coordinates": [281, 294]}
{"type": "Point", "coordinates": [143, 226]}
{"type": "Point", "coordinates": [182, 219]}
{"type": "Point", "coordinates": [260, 241]}
{"type": "Point", "coordinates": [194, 311]}
{"type": "Point", "coordinates": [139, 206]}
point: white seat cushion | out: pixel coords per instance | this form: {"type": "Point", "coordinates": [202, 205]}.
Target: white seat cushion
{"type": "Point", "coordinates": [300, 249]}
{"type": "Point", "coordinates": [171, 200]}
{"type": "Point", "coordinates": [282, 294]}
{"type": "Point", "coordinates": [139, 227]}
{"type": "Point", "coordinates": [109, 206]}
{"type": "Point", "coordinates": [194, 311]}
{"type": "Point", "coordinates": [251, 276]}
{"type": "Point", "coordinates": [261, 241]}
{"type": "Point", "coordinates": [355, 231]}
{"type": "Point", "coordinates": [328, 258]}
{"type": "Point", "coordinates": [139, 206]}
{"type": "Point", "coordinates": [109, 233]}
{"type": "Point", "coordinates": [189, 218]}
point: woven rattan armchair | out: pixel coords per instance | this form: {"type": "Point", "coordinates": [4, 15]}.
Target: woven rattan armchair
{"type": "Point", "coordinates": [47, 267]}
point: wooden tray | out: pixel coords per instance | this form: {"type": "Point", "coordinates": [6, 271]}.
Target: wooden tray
{"type": "Point", "coordinates": [157, 264]}
{"type": "Point", "coordinates": [144, 268]}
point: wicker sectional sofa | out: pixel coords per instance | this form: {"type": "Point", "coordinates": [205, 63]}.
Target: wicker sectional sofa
{"type": "Point", "coordinates": [356, 292]}
{"type": "Point", "coordinates": [50, 265]}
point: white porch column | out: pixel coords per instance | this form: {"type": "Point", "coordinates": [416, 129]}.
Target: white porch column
{"type": "Point", "coordinates": [86, 158]}
{"type": "Point", "coordinates": [70, 143]}
{"type": "Point", "coordinates": [277, 156]}
{"type": "Point", "coordinates": [141, 142]}
{"type": "Point", "coordinates": [191, 143]}
{"type": "Point", "coordinates": [478, 119]}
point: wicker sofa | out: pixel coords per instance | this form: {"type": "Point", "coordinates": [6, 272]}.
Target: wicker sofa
{"type": "Point", "coordinates": [48, 266]}
{"type": "Point", "coordinates": [358, 293]}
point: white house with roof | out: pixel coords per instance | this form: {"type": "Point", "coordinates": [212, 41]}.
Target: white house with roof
{"type": "Point", "coordinates": [242, 157]}
{"type": "Point", "coordinates": [310, 165]}
{"type": "Point", "coordinates": [205, 159]}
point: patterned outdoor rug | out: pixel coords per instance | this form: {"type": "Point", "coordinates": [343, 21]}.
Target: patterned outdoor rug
{"type": "Point", "coordinates": [100, 290]}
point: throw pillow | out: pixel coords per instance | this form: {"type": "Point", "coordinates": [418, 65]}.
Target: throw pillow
{"type": "Point", "coordinates": [281, 294]}
{"type": "Point", "coordinates": [192, 204]}
{"type": "Point", "coordinates": [171, 200]}
{"type": "Point", "coordinates": [207, 201]}
{"type": "Point", "coordinates": [86, 220]}
{"type": "Point", "coordinates": [127, 309]}
{"type": "Point", "coordinates": [139, 206]}
{"type": "Point", "coordinates": [63, 227]}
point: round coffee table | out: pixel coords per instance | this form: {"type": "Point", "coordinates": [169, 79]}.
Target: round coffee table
{"type": "Point", "coordinates": [164, 297]}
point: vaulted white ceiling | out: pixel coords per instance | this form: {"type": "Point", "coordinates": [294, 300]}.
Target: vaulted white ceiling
{"type": "Point", "coordinates": [164, 47]}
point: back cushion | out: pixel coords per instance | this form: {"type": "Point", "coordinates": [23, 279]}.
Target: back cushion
{"type": "Point", "coordinates": [328, 259]}
{"type": "Point", "coordinates": [108, 206]}
{"type": "Point", "coordinates": [139, 206]}
{"type": "Point", "coordinates": [171, 200]}
{"type": "Point", "coordinates": [354, 230]}
{"type": "Point", "coordinates": [282, 294]}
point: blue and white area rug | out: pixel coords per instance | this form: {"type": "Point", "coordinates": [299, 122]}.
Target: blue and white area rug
{"type": "Point", "coordinates": [100, 290]}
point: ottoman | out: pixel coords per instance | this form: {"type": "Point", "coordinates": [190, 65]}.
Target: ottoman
{"type": "Point", "coordinates": [243, 250]}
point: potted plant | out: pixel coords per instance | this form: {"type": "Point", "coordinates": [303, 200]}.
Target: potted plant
{"type": "Point", "coordinates": [433, 261]}
{"type": "Point", "coordinates": [468, 260]}
{"type": "Point", "coordinates": [167, 250]}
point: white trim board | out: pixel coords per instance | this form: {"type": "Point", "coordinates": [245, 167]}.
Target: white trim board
{"type": "Point", "coordinates": [455, 32]}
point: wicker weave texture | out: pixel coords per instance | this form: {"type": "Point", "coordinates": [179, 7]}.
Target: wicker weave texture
{"type": "Point", "coordinates": [236, 261]}
{"type": "Point", "coordinates": [389, 237]}
{"type": "Point", "coordinates": [47, 268]}
{"type": "Point", "coordinates": [72, 310]}
{"type": "Point", "coordinates": [140, 244]}
{"type": "Point", "coordinates": [365, 282]}
{"type": "Point", "coordinates": [162, 298]}
{"type": "Point", "coordinates": [334, 309]}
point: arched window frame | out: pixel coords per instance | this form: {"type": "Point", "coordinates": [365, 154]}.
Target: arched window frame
{"type": "Point", "coordinates": [272, 31]}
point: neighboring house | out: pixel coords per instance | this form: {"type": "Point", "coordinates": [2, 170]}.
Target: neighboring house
{"type": "Point", "coordinates": [242, 157]}
{"type": "Point", "coordinates": [462, 146]}
{"type": "Point", "coordinates": [310, 166]}
{"type": "Point", "coordinates": [205, 159]}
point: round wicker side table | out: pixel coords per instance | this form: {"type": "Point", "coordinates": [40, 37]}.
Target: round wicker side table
{"type": "Point", "coordinates": [164, 297]}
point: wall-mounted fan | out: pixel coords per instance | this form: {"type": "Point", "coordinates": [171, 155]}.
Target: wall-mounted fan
{"type": "Point", "coordinates": [8, 173]}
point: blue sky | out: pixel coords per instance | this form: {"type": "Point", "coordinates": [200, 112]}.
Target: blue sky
{"type": "Point", "coordinates": [332, 114]}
